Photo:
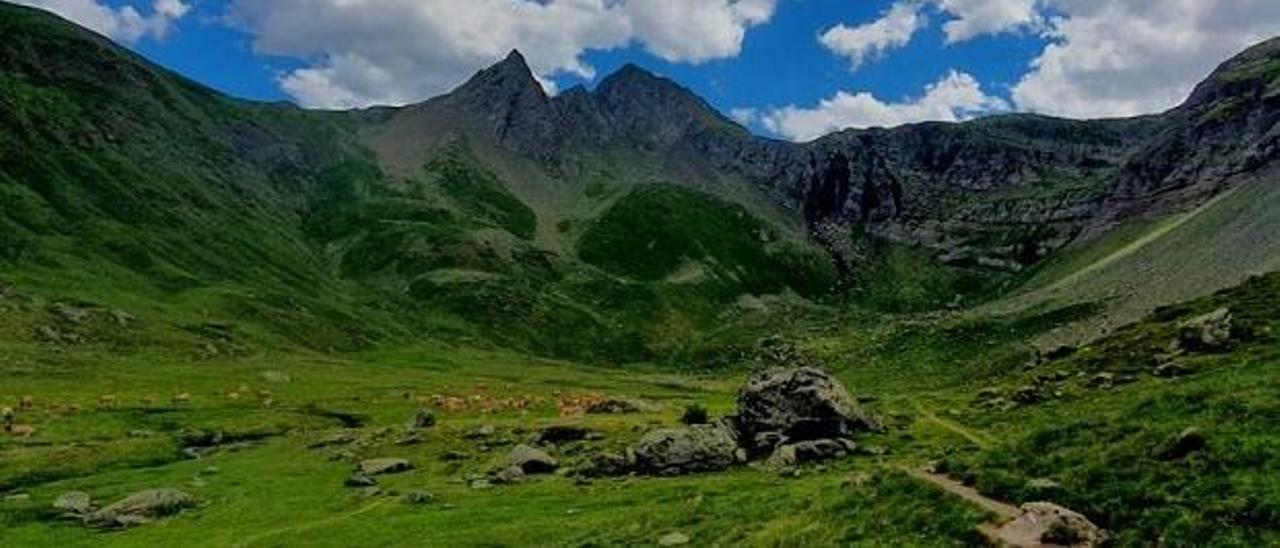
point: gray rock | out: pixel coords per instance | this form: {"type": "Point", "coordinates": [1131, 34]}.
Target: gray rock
{"type": "Point", "coordinates": [509, 475]}
{"type": "Point", "coordinates": [607, 464]}
{"type": "Point", "coordinates": [557, 434]}
{"type": "Point", "coordinates": [697, 448]}
{"type": "Point", "coordinates": [1171, 370]}
{"type": "Point", "coordinates": [479, 433]}
{"type": "Point", "coordinates": [1207, 333]}
{"type": "Point", "coordinates": [359, 480]}
{"type": "Point", "coordinates": [424, 418]}
{"type": "Point", "coordinates": [802, 403]}
{"type": "Point", "coordinates": [375, 467]}
{"type": "Point", "coordinates": [141, 507]}
{"type": "Point", "coordinates": [419, 497]}
{"type": "Point", "coordinates": [673, 539]}
{"type": "Point", "coordinates": [531, 460]}
{"type": "Point", "coordinates": [1051, 524]}
{"type": "Point", "coordinates": [74, 502]}
{"type": "Point", "coordinates": [1185, 443]}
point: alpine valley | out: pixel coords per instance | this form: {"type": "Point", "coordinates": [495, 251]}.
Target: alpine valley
{"type": "Point", "coordinates": [614, 316]}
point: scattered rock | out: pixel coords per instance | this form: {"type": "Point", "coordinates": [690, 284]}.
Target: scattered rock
{"type": "Point", "coordinates": [335, 439]}
{"type": "Point", "coordinates": [1047, 524]}
{"type": "Point", "coordinates": [697, 448]}
{"type": "Point", "coordinates": [141, 507]}
{"type": "Point", "coordinates": [480, 484]}
{"type": "Point", "coordinates": [1027, 394]}
{"type": "Point", "coordinates": [531, 460]}
{"type": "Point", "coordinates": [419, 497]}
{"type": "Point", "coordinates": [606, 464]}
{"type": "Point", "coordinates": [359, 480]}
{"type": "Point", "coordinates": [557, 434]}
{"type": "Point", "coordinates": [820, 450]}
{"type": "Point", "coordinates": [424, 418]}
{"type": "Point", "coordinates": [75, 503]}
{"type": "Point", "coordinates": [375, 467]}
{"type": "Point", "coordinates": [1171, 370]}
{"type": "Point", "coordinates": [1208, 333]}
{"type": "Point", "coordinates": [453, 456]}
{"type": "Point", "coordinates": [411, 438]}
{"type": "Point", "coordinates": [798, 404]}
{"type": "Point", "coordinates": [1185, 443]}
{"type": "Point", "coordinates": [509, 475]}
{"type": "Point", "coordinates": [479, 432]}
{"type": "Point", "coordinates": [673, 539]}
{"type": "Point", "coordinates": [1102, 380]}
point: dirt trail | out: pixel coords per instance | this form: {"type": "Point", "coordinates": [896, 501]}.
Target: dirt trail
{"type": "Point", "coordinates": [1005, 510]}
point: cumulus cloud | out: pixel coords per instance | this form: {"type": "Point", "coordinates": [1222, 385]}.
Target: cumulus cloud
{"type": "Point", "coordinates": [893, 29]}
{"type": "Point", "coordinates": [123, 23]}
{"type": "Point", "coordinates": [955, 97]}
{"type": "Point", "coordinates": [363, 52]}
{"type": "Point", "coordinates": [973, 18]}
{"type": "Point", "coordinates": [1122, 57]}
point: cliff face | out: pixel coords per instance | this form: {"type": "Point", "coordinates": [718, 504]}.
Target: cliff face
{"type": "Point", "coordinates": [999, 193]}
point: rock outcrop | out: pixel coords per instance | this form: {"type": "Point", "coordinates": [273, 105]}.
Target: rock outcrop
{"type": "Point", "coordinates": [696, 448]}
{"type": "Point", "coordinates": [780, 406]}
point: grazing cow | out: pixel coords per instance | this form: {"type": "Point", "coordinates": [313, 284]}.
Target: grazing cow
{"type": "Point", "coordinates": [107, 400]}
{"type": "Point", "coordinates": [27, 403]}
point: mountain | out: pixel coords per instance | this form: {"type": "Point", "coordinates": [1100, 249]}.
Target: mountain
{"type": "Point", "coordinates": [624, 222]}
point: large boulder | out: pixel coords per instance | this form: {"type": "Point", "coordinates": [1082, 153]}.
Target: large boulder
{"type": "Point", "coordinates": [141, 507]}
{"type": "Point", "coordinates": [1208, 333]}
{"type": "Point", "coordinates": [696, 448]}
{"type": "Point", "coordinates": [787, 405]}
{"type": "Point", "coordinates": [531, 460]}
{"type": "Point", "coordinates": [1047, 524]}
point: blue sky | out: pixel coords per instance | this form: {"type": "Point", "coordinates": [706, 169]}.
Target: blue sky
{"type": "Point", "coordinates": [776, 65]}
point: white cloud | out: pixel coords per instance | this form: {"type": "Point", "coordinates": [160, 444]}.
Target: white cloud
{"type": "Point", "coordinates": [124, 23]}
{"type": "Point", "coordinates": [893, 29]}
{"type": "Point", "coordinates": [363, 52]}
{"type": "Point", "coordinates": [955, 97]}
{"type": "Point", "coordinates": [1128, 57]}
{"type": "Point", "coordinates": [973, 18]}
{"type": "Point", "coordinates": [694, 30]}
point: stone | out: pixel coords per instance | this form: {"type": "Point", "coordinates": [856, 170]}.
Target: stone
{"type": "Point", "coordinates": [1171, 370]}
{"type": "Point", "coordinates": [379, 466]}
{"type": "Point", "coordinates": [1207, 333]}
{"type": "Point", "coordinates": [557, 434]}
{"type": "Point", "coordinates": [509, 475]}
{"type": "Point", "coordinates": [480, 432]}
{"type": "Point", "coordinates": [1047, 524]}
{"type": "Point", "coordinates": [359, 480]}
{"type": "Point", "coordinates": [799, 403]}
{"type": "Point", "coordinates": [607, 464]}
{"type": "Point", "coordinates": [676, 451]}
{"type": "Point", "coordinates": [1102, 380]}
{"type": "Point", "coordinates": [424, 418]}
{"type": "Point", "coordinates": [419, 497]}
{"type": "Point", "coordinates": [74, 502]}
{"type": "Point", "coordinates": [673, 539]}
{"type": "Point", "coordinates": [1185, 443]}
{"type": "Point", "coordinates": [141, 507]}
{"type": "Point", "coordinates": [531, 460]}
{"type": "Point", "coordinates": [480, 484]}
